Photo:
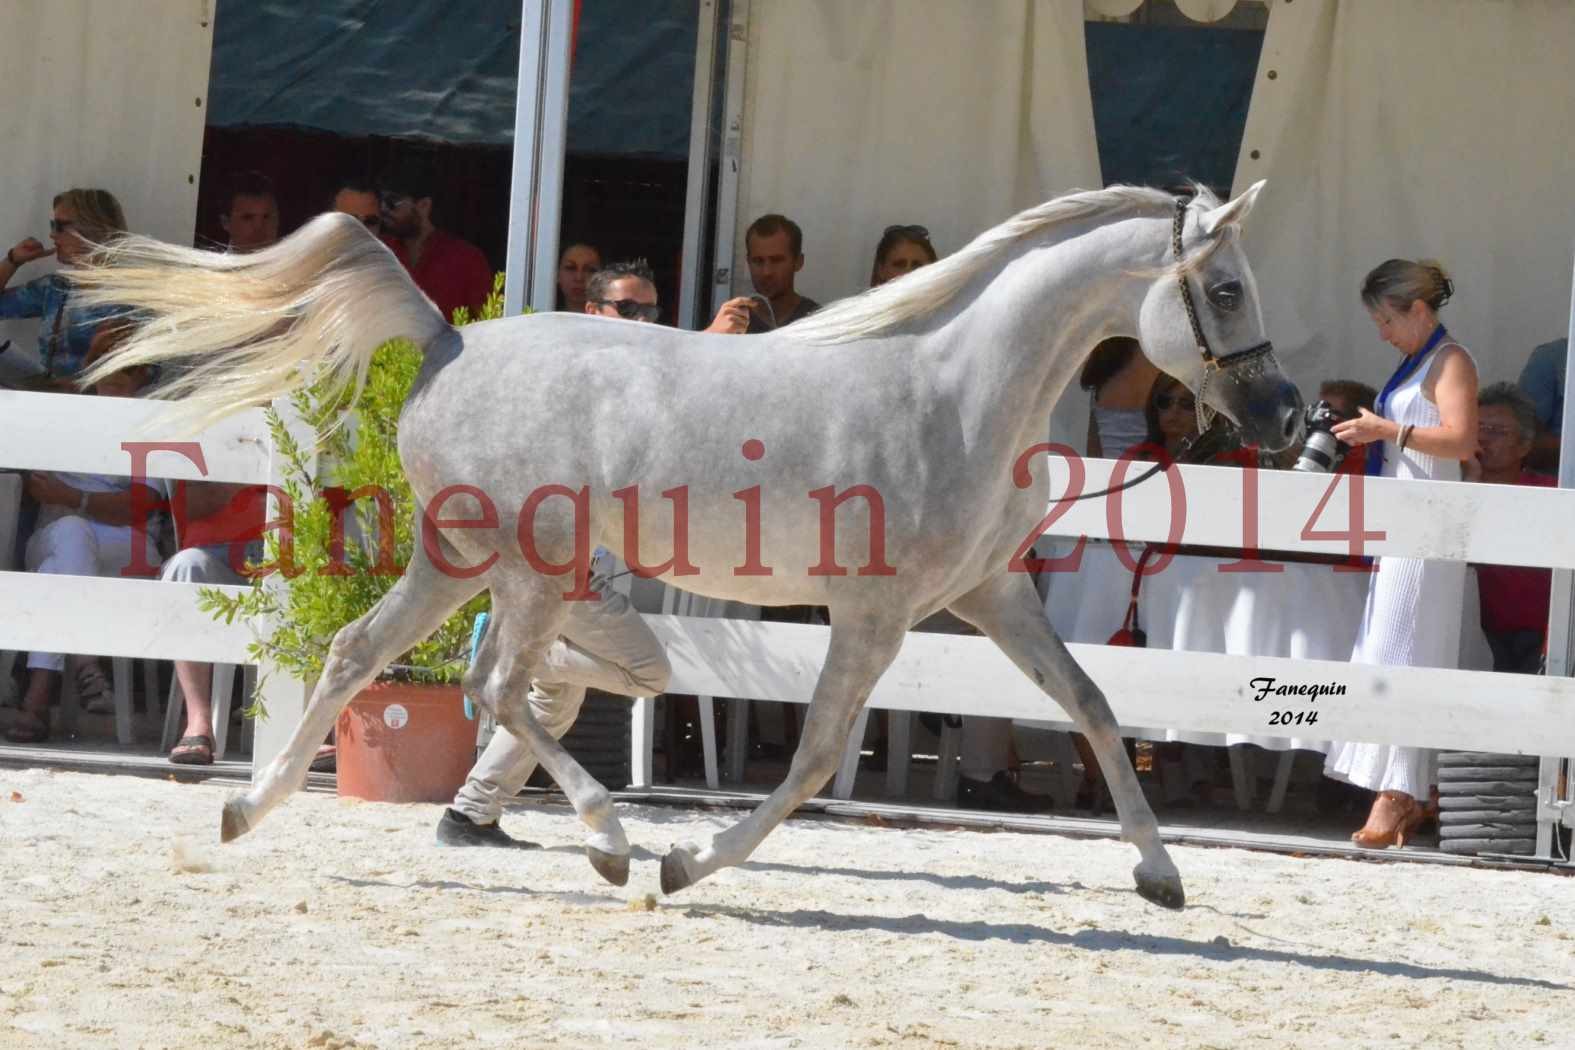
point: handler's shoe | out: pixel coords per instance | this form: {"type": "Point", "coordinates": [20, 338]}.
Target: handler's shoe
{"type": "Point", "coordinates": [456, 829]}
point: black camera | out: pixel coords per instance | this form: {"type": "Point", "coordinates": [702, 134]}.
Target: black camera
{"type": "Point", "coordinates": [1322, 451]}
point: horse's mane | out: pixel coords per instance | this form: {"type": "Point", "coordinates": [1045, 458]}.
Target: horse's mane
{"type": "Point", "coordinates": [923, 291]}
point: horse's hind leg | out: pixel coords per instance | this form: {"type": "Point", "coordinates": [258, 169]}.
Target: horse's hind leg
{"type": "Point", "coordinates": [859, 652]}
{"type": "Point", "coordinates": [1007, 609]}
{"type": "Point", "coordinates": [524, 622]}
{"type": "Point", "coordinates": [414, 607]}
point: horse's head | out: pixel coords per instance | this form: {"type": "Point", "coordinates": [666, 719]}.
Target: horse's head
{"type": "Point", "coordinates": [1202, 323]}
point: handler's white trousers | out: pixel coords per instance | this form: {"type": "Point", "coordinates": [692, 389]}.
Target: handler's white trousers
{"type": "Point", "coordinates": [604, 645]}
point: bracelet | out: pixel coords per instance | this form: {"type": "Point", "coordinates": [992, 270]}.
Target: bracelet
{"type": "Point", "coordinates": [1405, 435]}
{"type": "Point", "coordinates": [82, 503]}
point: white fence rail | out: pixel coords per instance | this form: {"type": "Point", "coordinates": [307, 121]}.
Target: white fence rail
{"type": "Point", "coordinates": [112, 616]}
{"type": "Point", "coordinates": [718, 657]}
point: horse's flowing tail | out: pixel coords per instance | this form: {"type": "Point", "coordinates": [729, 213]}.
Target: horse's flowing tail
{"type": "Point", "coordinates": [244, 329]}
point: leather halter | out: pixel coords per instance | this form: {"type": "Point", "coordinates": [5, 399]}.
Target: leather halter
{"type": "Point", "coordinates": [1211, 363]}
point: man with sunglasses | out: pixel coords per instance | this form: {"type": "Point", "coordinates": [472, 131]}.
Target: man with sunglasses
{"type": "Point", "coordinates": [623, 289]}
{"type": "Point", "coordinates": [628, 290]}
{"type": "Point", "coordinates": [452, 272]}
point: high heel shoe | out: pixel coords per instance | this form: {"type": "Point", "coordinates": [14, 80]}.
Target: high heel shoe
{"type": "Point", "coordinates": [1394, 818]}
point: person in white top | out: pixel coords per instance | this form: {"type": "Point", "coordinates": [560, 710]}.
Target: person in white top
{"type": "Point", "coordinates": [1425, 424]}
{"type": "Point", "coordinates": [1118, 379]}
{"type": "Point", "coordinates": [86, 527]}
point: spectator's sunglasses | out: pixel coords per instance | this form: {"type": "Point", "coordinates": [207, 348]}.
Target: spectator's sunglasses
{"type": "Point", "coordinates": [59, 226]}
{"type": "Point", "coordinates": [1165, 402]}
{"type": "Point", "coordinates": [915, 233]}
{"type": "Point", "coordinates": [630, 310]}
{"type": "Point", "coordinates": [390, 201]}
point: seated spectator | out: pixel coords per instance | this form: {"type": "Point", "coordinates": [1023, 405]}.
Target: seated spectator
{"type": "Point", "coordinates": [358, 197]}
{"type": "Point", "coordinates": [219, 528]}
{"type": "Point", "coordinates": [1347, 398]}
{"type": "Point", "coordinates": [575, 266]}
{"type": "Point", "coordinates": [1171, 417]}
{"type": "Point", "coordinates": [1514, 597]}
{"type": "Point", "coordinates": [902, 249]}
{"type": "Point", "coordinates": [84, 529]}
{"type": "Point", "coordinates": [66, 331]}
{"type": "Point", "coordinates": [628, 290]}
{"type": "Point", "coordinates": [774, 245]}
{"type": "Point", "coordinates": [1542, 380]}
{"type": "Point", "coordinates": [1118, 379]}
{"type": "Point", "coordinates": [452, 272]}
{"type": "Point", "coordinates": [985, 754]}
{"type": "Point", "coordinates": [251, 212]}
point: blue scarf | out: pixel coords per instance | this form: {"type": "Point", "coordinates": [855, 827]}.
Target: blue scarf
{"type": "Point", "coordinates": [1408, 368]}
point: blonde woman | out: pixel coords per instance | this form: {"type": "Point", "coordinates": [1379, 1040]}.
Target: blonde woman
{"type": "Point", "coordinates": [1425, 423]}
{"type": "Point", "coordinates": [80, 219]}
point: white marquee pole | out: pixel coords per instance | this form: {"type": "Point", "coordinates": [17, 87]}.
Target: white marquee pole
{"type": "Point", "coordinates": [541, 110]}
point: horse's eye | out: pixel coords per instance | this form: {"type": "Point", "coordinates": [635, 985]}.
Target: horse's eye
{"type": "Point", "coordinates": [1226, 295]}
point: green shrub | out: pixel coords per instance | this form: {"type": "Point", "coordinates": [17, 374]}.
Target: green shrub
{"type": "Point", "coordinates": [308, 606]}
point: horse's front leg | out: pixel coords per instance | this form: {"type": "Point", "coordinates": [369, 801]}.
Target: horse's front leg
{"type": "Point", "coordinates": [1007, 609]}
{"type": "Point", "coordinates": [860, 651]}
{"type": "Point", "coordinates": [414, 607]}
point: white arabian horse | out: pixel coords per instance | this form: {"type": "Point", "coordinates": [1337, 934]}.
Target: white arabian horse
{"type": "Point", "coordinates": [920, 395]}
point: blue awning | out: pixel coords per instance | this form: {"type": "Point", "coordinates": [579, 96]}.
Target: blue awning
{"type": "Point", "coordinates": [446, 70]}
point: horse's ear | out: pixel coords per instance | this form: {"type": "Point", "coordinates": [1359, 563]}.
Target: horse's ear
{"type": "Point", "coordinates": [1230, 214]}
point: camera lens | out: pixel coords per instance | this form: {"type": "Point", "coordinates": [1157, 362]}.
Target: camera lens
{"type": "Point", "coordinates": [1319, 454]}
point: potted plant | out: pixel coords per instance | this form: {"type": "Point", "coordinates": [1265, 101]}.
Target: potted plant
{"type": "Point", "coordinates": [406, 737]}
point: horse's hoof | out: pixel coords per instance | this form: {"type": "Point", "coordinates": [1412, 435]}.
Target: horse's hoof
{"type": "Point", "coordinates": [1163, 890]}
{"type": "Point", "coordinates": [675, 875]}
{"type": "Point", "coordinates": [614, 867]}
{"type": "Point", "coordinates": [233, 824]}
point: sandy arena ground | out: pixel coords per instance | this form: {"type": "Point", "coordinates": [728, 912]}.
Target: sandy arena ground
{"type": "Point", "coordinates": [338, 924]}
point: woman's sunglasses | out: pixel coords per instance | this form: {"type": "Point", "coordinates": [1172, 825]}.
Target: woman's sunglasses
{"type": "Point", "coordinates": [918, 233]}
{"type": "Point", "coordinates": [630, 310]}
{"type": "Point", "coordinates": [1166, 402]}
{"type": "Point", "coordinates": [59, 226]}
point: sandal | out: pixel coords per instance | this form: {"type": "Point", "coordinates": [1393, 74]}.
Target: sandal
{"type": "Point", "coordinates": [192, 751]}
{"type": "Point", "coordinates": [93, 691]}
{"type": "Point", "coordinates": [34, 731]}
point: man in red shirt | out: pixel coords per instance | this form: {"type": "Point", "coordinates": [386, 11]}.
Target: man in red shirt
{"type": "Point", "coordinates": [1514, 597]}
{"type": "Point", "coordinates": [452, 272]}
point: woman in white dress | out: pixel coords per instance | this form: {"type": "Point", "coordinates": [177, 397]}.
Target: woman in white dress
{"type": "Point", "coordinates": [1425, 424]}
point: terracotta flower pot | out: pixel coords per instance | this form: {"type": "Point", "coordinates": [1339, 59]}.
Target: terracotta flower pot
{"type": "Point", "coordinates": [399, 742]}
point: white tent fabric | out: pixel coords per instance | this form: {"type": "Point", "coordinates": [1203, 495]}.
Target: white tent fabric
{"type": "Point", "coordinates": [107, 94]}
{"type": "Point", "coordinates": [953, 114]}
{"type": "Point", "coordinates": [1412, 128]}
